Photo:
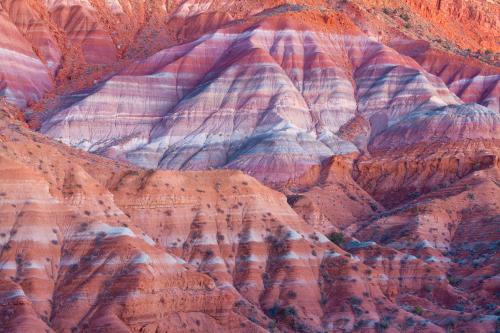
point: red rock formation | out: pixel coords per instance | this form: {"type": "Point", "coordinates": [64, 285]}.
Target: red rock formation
{"type": "Point", "coordinates": [92, 244]}
{"type": "Point", "coordinates": [23, 77]}
{"type": "Point", "coordinates": [436, 150]}
{"type": "Point", "coordinates": [361, 113]}
{"type": "Point", "coordinates": [262, 100]}
{"type": "Point", "coordinates": [469, 23]}
{"type": "Point", "coordinates": [468, 78]}
{"type": "Point", "coordinates": [333, 201]}
{"type": "Point", "coordinates": [71, 258]}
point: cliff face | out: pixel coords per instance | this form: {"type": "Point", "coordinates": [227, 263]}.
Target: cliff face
{"type": "Point", "coordinates": [264, 91]}
{"type": "Point", "coordinates": [80, 41]}
{"type": "Point", "coordinates": [91, 244]}
{"type": "Point", "coordinates": [469, 23]}
{"type": "Point", "coordinates": [357, 144]}
{"type": "Point", "coordinates": [71, 258]}
{"type": "Point", "coordinates": [268, 98]}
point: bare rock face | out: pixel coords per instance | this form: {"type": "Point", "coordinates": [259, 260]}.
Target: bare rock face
{"type": "Point", "coordinates": [468, 23]}
{"type": "Point", "coordinates": [450, 228]}
{"type": "Point", "coordinates": [331, 200]}
{"type": "Point", "coordinates": [95, 245]}
{"type": "Point", "coordinates": [469, 79]}
{"type": "Point", "coordinates": [265, 100]}
{"type": "Point", "coordinates": [440, 148]}
{"type": "Point", "coordinates": [376, 131]}
{"type": "Point", "coordinates": [23, 77]}
{"type": "Point", "coordinates": [72, 259]}
{"type": "Point", "coordinates": [261, 87]}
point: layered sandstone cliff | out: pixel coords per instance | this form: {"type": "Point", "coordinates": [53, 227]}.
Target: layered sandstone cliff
{"type": "Point", "coordinates": [377, 129]}
{"type": "Point", "coordinates": [90, 244]}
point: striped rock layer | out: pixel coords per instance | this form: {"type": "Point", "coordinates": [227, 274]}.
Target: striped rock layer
{"type": "Point", "coordinates": [23, 77]}
{"type": "Point", "coordinates": [89, 244]}
{"type": "Point", "coordinates": [268, 99]}
{"type": "Point", "coordinates": [383, 140]}
{"type": "Point", "coordinates": [76, 39]}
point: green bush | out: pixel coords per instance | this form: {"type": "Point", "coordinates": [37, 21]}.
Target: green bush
{"type": "Point", "coordinates": [381, 326]}
{"type": "Point", "coordinates": [405, 17]}
{"type": "Point", "coordinates": [336, 238]}
{"type": "Point", "coordinates": [454, 281]}
{"type": "Point", "coordinates": [418, 310]}
{"type": "Point", "coordinates": [281, 312]}
{"type": "Point", "coordinates": [355, 300]}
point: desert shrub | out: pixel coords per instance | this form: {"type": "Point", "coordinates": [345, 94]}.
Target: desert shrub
{"type": "Point", "coordinates": [336, 238]}
{"type": "Point", "coordinates": [281, 312]}
{"type": "Point", "coordinates": [354, 300]}
{"type": "Point", "coordinates": [409, 321]}
{"type": "Point", "coordinates": [196, 234]}
{"type": "Point", "coordinates": [405, 17]}
{"type": "Point", "coordinates": [453, 280]}
{"type": "Point", "coordinates": [357, 310]}
{"type": "Point", "coordinates": [381, 326]}
{"type": "Point", "coordinates": [414, 195]}
{"type": "Point", "coordinates": [418, 310]}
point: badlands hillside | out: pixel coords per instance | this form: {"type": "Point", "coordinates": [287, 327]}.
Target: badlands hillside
{"type": "Point", "coordinates": [249, 166]}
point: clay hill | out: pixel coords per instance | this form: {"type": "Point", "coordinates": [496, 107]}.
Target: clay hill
{"type": "Point", "coordinates": [249, 166]}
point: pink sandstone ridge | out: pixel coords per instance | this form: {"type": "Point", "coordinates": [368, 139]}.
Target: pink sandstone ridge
{"type": "Point", "coordinates": [249, 166]}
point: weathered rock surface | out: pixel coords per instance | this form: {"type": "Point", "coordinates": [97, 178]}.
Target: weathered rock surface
{"type": "Point", "coordinates": [23, 77]}
{"type": "Point", "coordinates": [468, 78]}
{"type": "Point", "coordinates": [268, 99]}
{"type": "Point", "coordinates": [95, 245]}
{"type": "Point", "coordinates": [376, 125]}
{"type": "Point", "coordinates": [72, 259]}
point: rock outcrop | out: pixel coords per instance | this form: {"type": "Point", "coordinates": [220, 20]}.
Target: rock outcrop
{"type": "Point", "coordinates": [269, 99]}
{"type": "Point", "coordinates": [23, 76]}
{"type": "Point", "coordinates": [96, 245]}
{"type": "Point", "coordinates": [357, 150]}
